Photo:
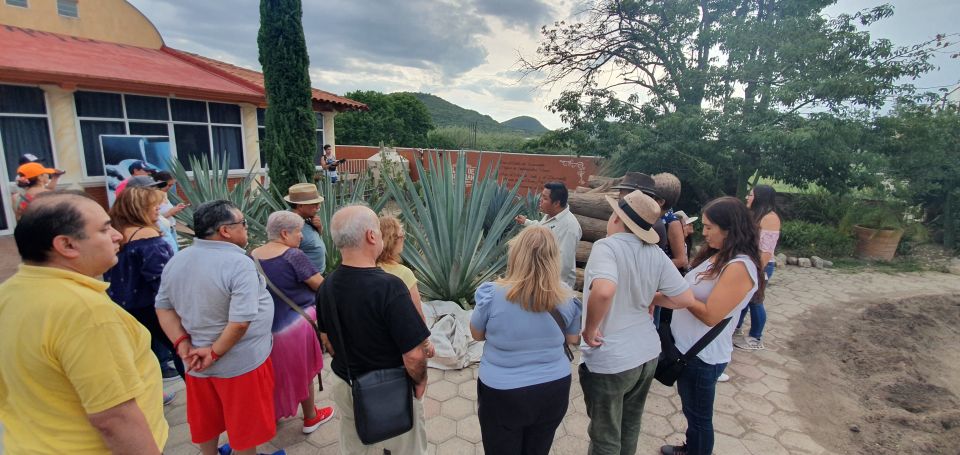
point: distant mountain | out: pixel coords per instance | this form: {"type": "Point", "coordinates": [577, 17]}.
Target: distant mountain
{"type": "Point", "coordinates": [526, 124]}
{"type": "Point", "coordinates": [445, 113]}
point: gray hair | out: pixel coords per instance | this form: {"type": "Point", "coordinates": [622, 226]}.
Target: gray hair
{"type": "Point", "coordinates": [351, 223]}
{"type": "Point", "coordinates": [209, 216]}
{"type": "Point", "coordinates": [283, 220]}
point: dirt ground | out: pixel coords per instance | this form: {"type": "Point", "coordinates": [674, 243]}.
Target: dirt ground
{"type": "Point", "coordinates": [882, 377]}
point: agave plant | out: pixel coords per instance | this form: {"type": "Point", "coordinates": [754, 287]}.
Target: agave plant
{"type": "Point", "coordinates": [336, 196]}
{"type": "Point", "coordinates": [210, 182]}
{"type": "Point", "coordinates": [447, 246]}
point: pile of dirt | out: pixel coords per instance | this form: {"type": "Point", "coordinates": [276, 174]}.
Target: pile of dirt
{"type": "Point", "coordinates": [882, 377]}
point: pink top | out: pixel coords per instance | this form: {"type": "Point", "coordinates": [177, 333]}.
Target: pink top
{"type": "Point", "coordinates": [768, 241]}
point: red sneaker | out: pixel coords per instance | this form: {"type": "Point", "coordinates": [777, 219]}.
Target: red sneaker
{"type": "Point", "coordinates": [323, 416]}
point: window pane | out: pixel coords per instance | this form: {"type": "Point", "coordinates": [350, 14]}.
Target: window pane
{"type": "Point", "coordinates": [24, 135]}
{"type": "Point", "coordinates": [67, 8]}
{"type": "Point", "coordinates": [149, 129]}
{"type": "Point", "coordinates": [318, 157]}
{"type": "Point", "coordinates": [262, 133]}
{"type": "Point", "coordinates": [192, 141]}
{"type": "Point", "coordinates": [224, 113]}
{"type": "Point", "coordinates": [188, 111]}
{"type": "Point", "coordinates": [228, 141]}
{"type": "Point", "coordinates": [261, 116]}
{"type": "Point", "coordinates": [96, 104]}
{"type": "Point", "coordinates": [20, 3]}
{"type": "Point", "coordinates": [146, 108]}
{"type": "Point", "coordinates": [15, 99]}
{"type": "Point", "coordinates": [319, 120]}
{"type": "Point", "coordinates": [90, 132]}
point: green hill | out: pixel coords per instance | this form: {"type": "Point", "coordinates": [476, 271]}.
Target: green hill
{"type": "Point", "coordinates": [445, 113]}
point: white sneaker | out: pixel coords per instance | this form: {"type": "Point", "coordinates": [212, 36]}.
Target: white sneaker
{"type": "Point", "coordinates": [748, 343]}
{"type": "Point", "coordinates": [724, 377]}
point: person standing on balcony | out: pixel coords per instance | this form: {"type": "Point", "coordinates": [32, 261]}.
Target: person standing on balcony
{"type": "Point", "coordinates": [304, 200]}
{"type": "Point", "coordinates": [330, 163]}
{"type": "Point", "coordinates": [564, 226]}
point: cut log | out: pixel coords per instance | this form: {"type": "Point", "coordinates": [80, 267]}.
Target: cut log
{"type": "Point", "coordinates": [582, 189]}
{"type": "Point", "coordinates": [579, 285]}
{"type": "Point", "coordinates": [596, 181]}
{"type": "Point", "coordinates": [593, 229]}
{"type": "Point", "coordinates": [583, 251]}
{"type": "Point", "coordinates": [593, 205]}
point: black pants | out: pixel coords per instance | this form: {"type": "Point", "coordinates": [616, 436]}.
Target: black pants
{"type": "Point", "coordinates": [522, 421]}
{"type": "Point", "coordinates": [148, 317]}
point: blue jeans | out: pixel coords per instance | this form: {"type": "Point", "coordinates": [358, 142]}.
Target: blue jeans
{"type": "Point", "coordinates": [758, 314]}
{"type": "Point", "coordinates": [697, 386]}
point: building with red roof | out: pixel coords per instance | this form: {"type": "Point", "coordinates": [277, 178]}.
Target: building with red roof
{"type": "Point", "coordinates": [71, 71]}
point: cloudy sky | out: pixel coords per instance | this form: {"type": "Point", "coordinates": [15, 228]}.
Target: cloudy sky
{"type": "Point", "coordinates": [464, 51]}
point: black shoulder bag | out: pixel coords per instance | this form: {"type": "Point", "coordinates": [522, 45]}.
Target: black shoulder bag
{"type": "Point", "coordinates": [672, 362]}
{"type": "Point", "coordinates": [559, 319]}
{"type": "Point", "coordinates": [295, 307]}
{"type": "Point", "coordinates": [382, 399]}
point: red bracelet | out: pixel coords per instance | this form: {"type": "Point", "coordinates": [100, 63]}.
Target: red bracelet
{"type": "Point", "coordinates": [176, 344]}
{"type": "Point", "coordinates": [214, 354]}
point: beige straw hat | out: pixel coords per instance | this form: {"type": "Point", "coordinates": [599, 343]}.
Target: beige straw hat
{"type": "Point", "coordinates": [639, 213]}
{"type": "Point", "coordinates": [303, 193]}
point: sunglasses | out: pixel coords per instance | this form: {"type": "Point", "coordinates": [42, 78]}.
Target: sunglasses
{"type": "Point", "coordinates": [243, 222]}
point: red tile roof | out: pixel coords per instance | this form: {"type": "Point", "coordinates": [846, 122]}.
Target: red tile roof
{"type": "Point", "coordinates": [31, 56]}
{"type": "Point", "coordinates": [256, 78]}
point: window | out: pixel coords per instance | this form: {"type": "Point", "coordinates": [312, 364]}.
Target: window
{"type": "Point", "coordinates": [24, 126]}
{"type": "Point", "coordinates": [20, 3]}
{"type": "Point", "coordinates": [68, 8]}
{"type": "Point", "coordinates": [195, 128]}
{"type": "Point", "coordinates": [262, 134]}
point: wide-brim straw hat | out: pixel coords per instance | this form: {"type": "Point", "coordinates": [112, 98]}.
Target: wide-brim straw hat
{"type": "Point", "coordinates": [639, 213]}
{"type": "Point", "coordinates": [303, 193]}
{"type": "Point", "coordinates": [637, 181]}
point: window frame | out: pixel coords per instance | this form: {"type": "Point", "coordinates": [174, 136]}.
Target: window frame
{"type": "Point", "coordinates": [46, 107]}
{"type": "Point", "coordinates": [26, 4]}
{"type": "Point", "coordinates": [171, 133]}
{"type": "Point", "coordinates": [75, 5]}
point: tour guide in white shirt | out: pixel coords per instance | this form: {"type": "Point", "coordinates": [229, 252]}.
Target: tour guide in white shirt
{"type": "Point", "coordinates": [565, 227]}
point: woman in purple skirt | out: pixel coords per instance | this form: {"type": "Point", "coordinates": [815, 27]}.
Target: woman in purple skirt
{"type": "Point", "coordinates": [297, 356]}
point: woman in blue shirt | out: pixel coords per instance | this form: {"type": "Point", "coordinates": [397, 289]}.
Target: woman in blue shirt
{"type": "Point", "coordinates": [525, 319]}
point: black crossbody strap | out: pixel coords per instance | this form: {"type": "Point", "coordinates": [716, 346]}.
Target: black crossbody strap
{"type": "Point", "coordinates": [706, 339]}
{"type": "Point", "coordinates": [559, 319]}
{"type": "Point", "coordinates": [335, 316]}
{"type": "Point", "coordinates": [283, 296]}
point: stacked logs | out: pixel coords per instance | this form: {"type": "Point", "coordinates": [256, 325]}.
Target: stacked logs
{"type": "Point", "coordinates": [590, 207]}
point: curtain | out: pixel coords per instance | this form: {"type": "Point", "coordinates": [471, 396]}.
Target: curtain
{"type": "Point", "coordinates": [24, 135]}
{"type": "Point", "coordinates": [228, 140]}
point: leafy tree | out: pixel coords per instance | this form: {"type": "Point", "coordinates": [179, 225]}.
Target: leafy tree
{"type": "Point", "coordinates": [290, 142]}
{"type": "Point", "coordinates": [396, 119]}
{"type": "Point", "coordinates": [722, 91]}
{"type": "Point", "coordinates": [922, 142]}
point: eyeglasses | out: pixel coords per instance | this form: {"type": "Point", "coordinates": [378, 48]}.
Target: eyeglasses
{"type": "Point", "coordinates": [243, 222]}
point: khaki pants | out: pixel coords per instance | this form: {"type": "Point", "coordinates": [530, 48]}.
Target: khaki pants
{"type": "Point", "coordinates": [413, 442]}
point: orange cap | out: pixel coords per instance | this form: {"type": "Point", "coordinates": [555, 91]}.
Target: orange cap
{"type": "Point", "coordinates": [32, 170]}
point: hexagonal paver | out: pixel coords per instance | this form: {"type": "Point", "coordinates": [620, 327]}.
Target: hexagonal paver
{"type": "Point", "coordinates": [434, 375]}
{"type": "Point", "coordinates": [455, 446]}
{"type": "Point", "coordinates": [440, 429]}
{"type": "Point", "coordinates": [442, 390]}
{"type": "Point", "coordinates": [303, 448]}
{"type": "Point", "coordinates": [576, 425]}
{"type": "Point", "coordinates": [801, 442]}
{"type": "Point", "coordinates": [569, 445]}
{"type": "Point", "coordinates": [458, 376]}
{"type": "Point", "coordinates": [456, 408]}
{"type": "Point", "coordinates": [724, 444]}
{"type": "Point", "coordinates": [726, 424]}
{"type": "Point", "coordinates": [469, 429]}
{"type": "Point", "coordinates": [775, 384]}
{"type": "Point", "coordinates": [431, 407]}
{"type": "Point", "coordinates": [745, 371]}
{"type": "Point", "coordinates": [658, 405]}
{"type": "Point", "coordinates": [758, 444]}
{"type": "Point", "coordinates": [468, 390]}
{"type": "Point", "coordinates": [754, 402]}
{"type": "Point", "coordinates": [656, 426]}
{"type": "Point", "coordinates": [726, 405]}
{"type": "Point", "coordinates": [781, 401]}
{"type": "Point", "coordinates": [327, 434]}
{"type": "Point", "coordinates": [759, 423]}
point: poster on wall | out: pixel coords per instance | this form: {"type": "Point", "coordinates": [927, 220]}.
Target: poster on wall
{"type": "Point", "coordinates": [124, 154]}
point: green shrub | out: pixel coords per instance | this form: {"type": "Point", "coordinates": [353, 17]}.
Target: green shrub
{"type": "Point", "coordinates": [818, 206]}
{"type": "Point", "coordinates": [812, 239]}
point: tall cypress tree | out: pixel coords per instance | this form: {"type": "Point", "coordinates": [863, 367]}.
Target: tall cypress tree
{"type": "Point", "coordinates": [291, 142]}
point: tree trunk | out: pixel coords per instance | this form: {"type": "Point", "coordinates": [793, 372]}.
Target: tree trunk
{"type": "Point", "coordinates": [583, 251]}
{"type": "Point", "coordinates": [593, 205]}
{"type": "Point", "coordinates": [593, 229]}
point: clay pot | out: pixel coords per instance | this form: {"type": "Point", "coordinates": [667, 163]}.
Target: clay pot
{"type": "Point", "coordinates": [877, 244]}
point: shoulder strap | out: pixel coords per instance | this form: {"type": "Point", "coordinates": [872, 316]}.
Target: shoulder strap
{"type": "Point", "coordinates": [559, 319]}
{"type": "Point", "coordinates": [279, 293]}
{"type": "Point", "coordinates": [335, 317]}
{"type": "Point", "coordinates": [706, 339]}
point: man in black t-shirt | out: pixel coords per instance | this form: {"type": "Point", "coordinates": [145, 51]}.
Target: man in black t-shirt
{"type": "Point", "coordinates": [381, 326]}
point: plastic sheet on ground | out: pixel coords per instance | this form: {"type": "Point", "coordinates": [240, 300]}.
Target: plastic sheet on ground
{"type": "Point", "coordinates": [450, 334]}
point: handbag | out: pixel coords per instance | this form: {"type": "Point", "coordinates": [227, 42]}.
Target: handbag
{"type": "Point", "coordinates": [382, 399]}
{"type": "Point", "coordinates": [672, 362]}
{"type": "Point", "coordinates": [559, 319]}
{"type": "Point", "coordinates": [295, 307]}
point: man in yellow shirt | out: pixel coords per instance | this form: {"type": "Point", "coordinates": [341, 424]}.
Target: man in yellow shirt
{"type": "Point", "coordinates": [76, 372]}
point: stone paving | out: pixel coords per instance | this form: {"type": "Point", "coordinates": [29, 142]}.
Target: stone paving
{"type": "Point", "coordinates": [754, 412]}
